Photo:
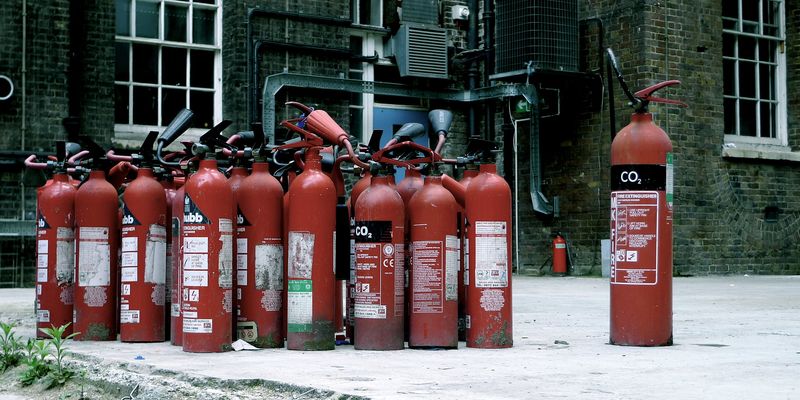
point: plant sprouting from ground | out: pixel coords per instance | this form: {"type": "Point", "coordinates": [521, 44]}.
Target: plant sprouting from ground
{"type": "Point", "coordinates": [59, 373]}
{"type": "Point", "coordinates": [36, 354]}
{"type": "Point", "coordinates": [11, 347]}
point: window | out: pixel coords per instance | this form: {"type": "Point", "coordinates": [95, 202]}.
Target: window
{"type": "Point", "coordinates": [753, 71]}
{"type": "Point", "coordinates": [167, 58]}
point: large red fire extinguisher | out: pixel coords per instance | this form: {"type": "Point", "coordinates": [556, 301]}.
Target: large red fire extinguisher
{"type": "Point", "coordinates": [380, 276]}
{"type": "Point", "coordinates": [487, 202]}
{"type": "Point", "coordinates": [208, 229]}
{"type": "Point", "coordinates": [97, 241]}
{"type": "Point", "coordinates": [559, 255]}
{"type": "Point", "coordinates": [433, 276]}
{"type": "Point", "coordinates": [55, 247]}
{"type": "Point", "coordinates": [641, 225]}
{"type": "Point", "coordinates": [260, 266]}
{"type": "Point", "coordinates": [143, 258]}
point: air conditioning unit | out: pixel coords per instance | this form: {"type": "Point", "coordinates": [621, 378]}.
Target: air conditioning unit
{"type": "Point", "coordinates": [421, 51]}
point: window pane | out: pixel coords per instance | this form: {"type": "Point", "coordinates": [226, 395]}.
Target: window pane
{"type": "Point", "coordinates": [202, 104]}
{"type": "Point", "coordinates": [728, 45]}
{"type": "Point", "coordinates": [173, 66]}
{"type": "Point", "coordinates": [730, 116]}
{"type": "Point", "coordinates": [203, 26]}
{"type": "Point", "coordinates": [206, 1]}
{"type": "Point", "coordinates": [765, 82]}
{"type": "Point", "coordinates": [747, 118]}
{"type": "Point", "coordinates": [121, 63]}
{"type": "Point", "coordinates": [747, 48]}
{"type": "Point", "coordinates": [147, 19]}
{"type": "Point", "coordinates": [769, 12]}
{"type": "Point", "coordinates": [121, 104]}
{"type": "Point", "coordinates": [175, 23]}
{"type": "Point", "coordinates": [123, 17]}
{"type": "Point", "coordinates": [766, 120]}
{"type": "Point", "coordinates": [172, 101]}
{"type": "Point", "coordinates": [747, 79]}
{"type": "Point", "coordinates": [730, 8]}
{"type": "Point", "coordinates": [145, 63]}
{"type": "Point", "coordinates": [145, 103]}
{"type": "Point", "coordinates": [729, 76]}
{"type": "Point", "coordinates": [749, 9]}
{"type": "Point", "coordinates": [766, 50]}
{"type": "Point", "coordinates": [202, 71]}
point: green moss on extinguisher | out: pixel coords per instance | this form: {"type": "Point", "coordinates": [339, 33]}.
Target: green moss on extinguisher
{"type": "Point", "coordinates": [268, 342]}
{"type": "Point", "coordinates": [501, 337]}
{"type": "Point", "coordinates": [97, 332]}
{"type": "Point", "coordinates": [324, 336]}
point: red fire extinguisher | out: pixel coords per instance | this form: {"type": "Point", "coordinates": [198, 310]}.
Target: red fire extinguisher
{"type": "Point", "coordinates": [260, 273]}
{"type": "Point", "coordinates": [311, 225]}
{"type": "Point", "coordinates": [559, 255]}
{"type": "Point", "coordinates": [55, 239]}
{"type": "Point", "coordinates": [487, 201]}
{"type": "Point", "coordinates": [143, 258]}
{"type": "Point", "coordinates": [641, 225]}
{"type": "Point", "coordinates": [380, 277]}
{"type": "Point", "coordinates": [175, 128]}
{"type": "Point", "coordinates": [433, 273]}
{"type": "Point", "coordinates": [470, 172]}
{"type": "Point", "coordinates": [97, 238]}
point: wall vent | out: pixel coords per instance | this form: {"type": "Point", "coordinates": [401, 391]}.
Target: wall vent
{"type": "Point", "coordinates": [421, 51]}
{"type": "Point", "coordinates": [542, 31]}
{"type": "Point", "coordinates": [421, 12]}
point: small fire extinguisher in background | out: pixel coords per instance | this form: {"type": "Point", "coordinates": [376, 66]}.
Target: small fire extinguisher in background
{"type": "Point", "coordinates": [559, 255]}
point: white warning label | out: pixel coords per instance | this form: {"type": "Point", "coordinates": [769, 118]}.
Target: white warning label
{"type": "Point", "coordinates": [301, 254]}
{"type": "Point", "coordinates": [491, 254]}
{"type": "Point", "coordinates": [155, 258]}
{"type": "Point", "coordinates": [196, 325]}
{"type": "Point", "coordinates": [129, 316]}
{"type": "Point", "coordinates": [94, 259]}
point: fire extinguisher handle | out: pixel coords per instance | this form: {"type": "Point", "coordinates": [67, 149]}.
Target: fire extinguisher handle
{"type": "Point", "coordinates": [433, 156]}
{"type": "Point", "coordinates": [646, 94]}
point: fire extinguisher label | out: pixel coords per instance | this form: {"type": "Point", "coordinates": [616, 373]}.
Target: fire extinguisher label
{"type": "Point", "coordinates": [638, 177]}
{"type": "Point", "coordinates": [129, 316]}
{"type": "Point", "coordinates": [269, 267]}
{"type": "Point", "coordinates": [225, 262]}
{"type": "Point", "coordinates": [42, 316]}
{"type": "Point", "coordinates": [373, 231]}
{"type": "Point", "coordinates": [452, 254]}
{"type": "Point", "coordinates": [192, 213]}
{"type": "Point", "coordinates": [127, 217]}
{"type": "Point", "coordinates": [94, 259]}
{"type": "Point", "coordinates": [197, 325]}
{"type": "Point", "coordinates": [634, 237]}
{"type": "Point", "coordinates": [299, 307]}
{"type": "Point", "coordinates": [65, 255]}
{"type": "Point", "coordinates": [155, 258]}
{"type": "Point", "coordinates": [301, 254]}
{"type": "Point", "coordinates": [428, 273]}
{"type": "Point", "coordinates": [670, 184]}
{"type": "Point", "coordinates": [491, 254]}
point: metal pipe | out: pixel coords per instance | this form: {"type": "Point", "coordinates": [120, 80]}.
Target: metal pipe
{"type": "Point", "coordinates": [274, 83]}
{"type": "Point", "coordinates": [472, 68]}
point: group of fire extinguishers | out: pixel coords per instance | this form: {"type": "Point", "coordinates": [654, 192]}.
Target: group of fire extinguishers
{"type": "Point", "coordinates": [426, 260]}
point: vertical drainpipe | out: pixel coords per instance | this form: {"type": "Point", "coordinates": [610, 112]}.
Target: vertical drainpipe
{"type": "Point", "coordinates": [488, 65]}
{"type": "Point", "coordinates": [23, 124]}
{"type": "Point", "coordinates": [472, 70]}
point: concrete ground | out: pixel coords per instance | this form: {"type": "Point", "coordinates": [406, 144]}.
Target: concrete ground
{"type": "Point", "coordinates": [735, 338]}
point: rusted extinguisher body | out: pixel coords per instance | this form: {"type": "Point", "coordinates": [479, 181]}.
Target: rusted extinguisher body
{"type": "Point", "coordinates": [559, 255]}
{"type": "Point", "coordinates": [380, 277]}
{"type": "Point", "coordinates": [97, 234]}
{"type": "Point", "coordinates": [641, 234]}
{"type": "Point", "coordinates": [208, 217]}
{"type": "Point", "coordinates": [55, 254]}
{"type": "Point", "coordinates": [488, 307]}
{"type": "Point", "coordinates": [143, 265]}
{"type": "Point", "coordinates": [176, 291]}
{"type": "Point", "coordinates": [311, 227]}
{"type": "Point", "coordinates": [433, 273]}
{"type": "Point", "coordinates": [260, 259]}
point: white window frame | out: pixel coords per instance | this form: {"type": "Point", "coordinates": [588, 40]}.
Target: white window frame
{"type": "Point", "coordinates": [131, 135]}
{"type": "Point", "coordinates": [780, 141]}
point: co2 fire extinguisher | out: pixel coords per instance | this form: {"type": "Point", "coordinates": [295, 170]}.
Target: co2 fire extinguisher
{"type": "Point", "coordinates": [55, 240]}
{"type": "Point", "coordinates": [641, 225]}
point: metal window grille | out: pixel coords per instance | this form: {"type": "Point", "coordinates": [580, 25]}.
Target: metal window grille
{"type": "Point", "coordinates": [542, 31]}
{"type": "Point", "coordinates": [752, 64]}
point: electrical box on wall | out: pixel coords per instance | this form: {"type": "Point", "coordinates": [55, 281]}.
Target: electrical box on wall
{"type": "Point", "coordinates": [460, 13]}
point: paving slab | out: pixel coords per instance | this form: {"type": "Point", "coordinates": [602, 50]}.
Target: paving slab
{"type": "Point", "coordinates": [736, 337]}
